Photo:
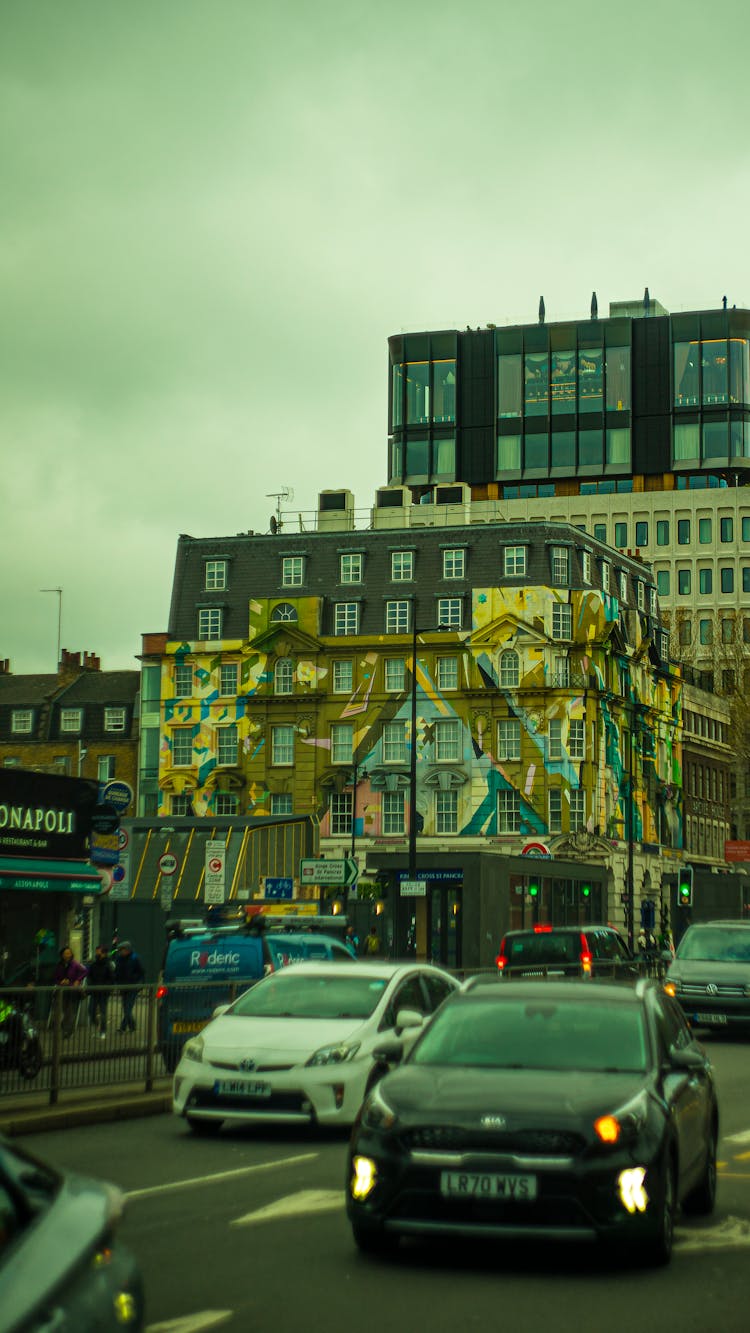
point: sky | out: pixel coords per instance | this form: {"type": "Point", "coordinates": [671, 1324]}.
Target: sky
{"type": "Point", "coordinates": [214, 213]}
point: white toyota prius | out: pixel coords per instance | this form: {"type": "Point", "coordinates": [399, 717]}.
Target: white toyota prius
{"type": "Point", "coordinates": [298, 1047]}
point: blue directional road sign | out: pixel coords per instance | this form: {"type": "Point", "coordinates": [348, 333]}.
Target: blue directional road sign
{"type": "Point", "coordinates": [279, 887]}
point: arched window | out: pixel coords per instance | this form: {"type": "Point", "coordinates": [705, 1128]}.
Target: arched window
{"type": "Point", "coordinates": [509, 672]}
{"type": "Point", "coordinates": [284, 611]}
{"type": "Point", "coordinates": [283, 676]}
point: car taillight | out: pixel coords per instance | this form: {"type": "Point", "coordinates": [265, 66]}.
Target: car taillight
{"type": "Point", "coordinates": [161, 991]}
{"type": "Point", "coordinates": [542, 930]}
{"type": "Point", "coordinates": [501, 960]}
{"type": "Point", "coordinates": [585, 955]}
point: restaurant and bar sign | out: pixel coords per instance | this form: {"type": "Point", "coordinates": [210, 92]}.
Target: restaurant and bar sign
{"type": "Point", "coordinates": [42, 815]}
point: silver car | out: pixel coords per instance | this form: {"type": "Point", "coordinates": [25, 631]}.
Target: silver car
{"type": "Point", "coordinates": [710, 974]}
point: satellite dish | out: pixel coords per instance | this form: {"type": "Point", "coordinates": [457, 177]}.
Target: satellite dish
{"type": "Point", "coordinates": [273, 525]}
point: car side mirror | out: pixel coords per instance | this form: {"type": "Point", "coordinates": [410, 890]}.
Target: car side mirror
{"type": "Point", "coordinates": [408, 1018]}
{"type": "Point", "coordinates": [219, 1010]}
{"type": "Point", "coordinates": [389, 1052]}
{"type": "Point", "coordinates": [686, 1058]}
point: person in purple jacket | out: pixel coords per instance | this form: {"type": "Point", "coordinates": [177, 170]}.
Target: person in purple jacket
{"type": "Point", "coordinates": [69, 975]}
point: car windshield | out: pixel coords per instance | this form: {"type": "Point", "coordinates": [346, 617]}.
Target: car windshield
{"type": "Point", "coordinates": [718, 944]}
{"type": "Point", "coordinates": [326, 994]}
{"type": "Point", "coordinates": [510, 1033]}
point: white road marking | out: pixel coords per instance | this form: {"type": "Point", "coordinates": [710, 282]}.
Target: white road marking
{"type": "Point", "coordinates": [295, 1205]}
{"type": "Point", "coordinates": [192, 1323]}
{"type": "Point", "coordinates": [219, 1175]}
{"type": "Point", "coordinates": [733, 1233]}
{"type": "Point", "coordinates": [742, 1137]}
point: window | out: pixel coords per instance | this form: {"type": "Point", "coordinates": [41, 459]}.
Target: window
{"type": "Point", "coordinates": [183, 682]}
{"type": "Point", "coordinates": [621, 534]}
{"type": "Point", "coordinates": [343, 677]}
{"type": "Point", "coordinates": [350, 569]}
{"type": "Point", "coordinates": [447, 671]}
{"type": "Point", "coordinates": [402, 566]}
{"type": "Point", "coordinates": [395, 675]}
{"type": "Point", "coordinates": [283, 676]}
{"type": "Point", "coordinates": [21, 721]}
{"type": "Point", "coordinates": [284, 611]}
{"type": "Point", "coordinates": [346, 618]}
{"type": "Point", "coordinates": [392, 812]}
{"type": "Point", "coordinates": [651, 599]}
{"type": "Point", "coordinates": [509, 738]}
{"type": "Point", "coordinates": [114, 719]}
{"type": "Point", "coordinates": [450, 611]}
{"type": "Point", "coordinates": [562, 621]}
{"type": "Point", "coordinates": [577, 739]}
{"type": "Point", "coordinates": [727, 630]}
{"type": "Point", "coordinates": [685, 632]}
{"type": "Point", "coordinates": [560, 565]}
{"type": "Point", "coordinates": [394, 743]}
{"type": "Point", "coordinates": [281, 803]}
{"type": "Point", "coordinates": [705, 581]}
{"type": "Point", "coordinates": [508, 812]}
{"type": "Point", "coordinates": [727, 580]}
{"type": "Point", "coordinates": [683, 582]}
{"type": "Point", "coordinates": [71, 719]}
{"type": "Point", "coordinates": [555, 738]}
{"type": "Point", "coordinates": [342, 742]}
{"type": "Point", "coordinates": [182, 746]}
{"type": "Point", "coordinates": [600, 532]}
{"type": "Point", "coordinates": [209, 624]}
{"type": "Point", "coordinates": [622, 580]}
{"type": "Point", "coordinates": [228, 677]}
{"type": "Point", "coordinates": [180, 805]}
{"type": "Point", "coordinates": [577, 810]}
{"type": "Point", "coordinates": [105, 768]}
{"type": "Point", "coordinates": [340, 807]}
{"type": "Point", "coordinates": [226, 744]}
{"type": "Point", "coordinates": [447, 741]}
{"type": "Point", "coordinates": [606, 575]}
{"type": "Point", "coordinates": [446, 812]}
{"type": "Point", "coordinates": [746, 529]}
{"type": "Point", "coordinates": [282, 745]}
{"type": "Point", "coordinates": [706, 631]}
{"type": "Point", "coordinates": [586, 566]}
{"type": "Point", "coordinates": [641, 534]}
{"type": "Point", "coordinates": [561, 673]}
{"type": "Point", "coordinates": [662, 532]}
{"type": "Point", "coordinates": [640, 589]}
{"type": "Point", "coordinates": [454, 563]}
{"type": "Point", "coordinates": [662, 582]}
{"type": "Point", "coordinates": [509, 670]}
{"type": "Point", "coordinates": [704, 531]}
{"type": "Point", "coordinates": [726, 529]}
{"type": "Point", "coordinates": [509, 386]}
{"type": "Point", "coordinates": [216, 574]}
{"type": "Point", "coordinates": [292, 571]}
{"type": "Point", "coordinates": [514, 561]}
{"type": "Point", "coordinates": [226, 803]}
{"type": "Point", "coordinates": [746, 578]}
{"type": "Point", "coordinates": [397, 617]}
{"type": "Point", "coordinates": [683, 532]}
{"type": "Point", "coordinates": [555, 810]}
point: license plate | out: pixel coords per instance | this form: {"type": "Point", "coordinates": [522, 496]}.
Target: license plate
{"type": "Point", "coordinates": [710, 1018]}
{"type": "Point", "coordinates": [229, 1087]}
{"type": "Point", "coordinates": [471, 1184]}
{"type": "Point", "coordinates": [190, 1027]}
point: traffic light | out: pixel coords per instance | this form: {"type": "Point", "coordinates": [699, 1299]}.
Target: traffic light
{"type": "Point", "coordinates": [585, 890]}
{"type": "Point", "coordinates": [533, 890]}
{"type": "Point", "coordinates": [685, 887]}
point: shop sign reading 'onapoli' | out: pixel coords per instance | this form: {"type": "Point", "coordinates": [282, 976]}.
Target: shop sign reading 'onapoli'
{"type": "Point", "coordinates": [45, 815]}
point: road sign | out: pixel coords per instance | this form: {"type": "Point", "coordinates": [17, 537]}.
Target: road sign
{"type": "Point", "coordinates": [118, 794]}
{"type": "Point", "coordinates": [413, 888]}
{"type": "Point", "coordinates": [165, 895]}
{"type": "Point", "coordinates": [343, 871]}
{"type": "Point", "coordinates": [213, 883]}
{"type": "Point", "coordinates": [279, 886]}
{"type": "Point", "coordinates": [168, 863]}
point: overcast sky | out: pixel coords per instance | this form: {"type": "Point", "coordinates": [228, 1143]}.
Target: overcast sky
{"type": "Point", "coordinates": [213, 214]}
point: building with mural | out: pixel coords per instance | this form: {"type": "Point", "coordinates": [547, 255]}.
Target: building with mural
{"type": "Point", "coordinates": [547, 750]}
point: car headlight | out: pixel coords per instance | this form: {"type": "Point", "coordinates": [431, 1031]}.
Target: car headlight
{"type": "Point", "coordinates": [193, 1049]}
{"type": "Point", "coordinates": [624, 1124]}
{"type": "Point", "coordinates": [337, 1054]}
{"type": "Point", "coordinates": [672, 985]}
{"type": "Point", "coordinates": [377, 1112]}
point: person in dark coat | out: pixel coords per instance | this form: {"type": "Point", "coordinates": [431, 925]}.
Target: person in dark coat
{"type": "Point", "coordinates": [129, 971]}
{"type": "Point", "coordinates": [101, 972]}
{"type": "Point", "coordinates": [69, 975]}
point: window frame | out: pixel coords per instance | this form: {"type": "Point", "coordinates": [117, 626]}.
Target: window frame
{"type": "Point", "coordinates": [454, 557]}
{"type": "Point", "coordinates": [18, 718]}
{"type": "Point", "coordinates": [292, 571]}
{"type": "Point", "coordinates": [110, 710]}
{"type": "Point", "coordinates": [282, 745]}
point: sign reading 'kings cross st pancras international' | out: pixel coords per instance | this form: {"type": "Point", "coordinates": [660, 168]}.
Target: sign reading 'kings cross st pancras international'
{"type": "Point", "coordinates": [45, 816]}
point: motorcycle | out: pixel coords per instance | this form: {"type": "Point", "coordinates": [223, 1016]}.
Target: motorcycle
{"type": "Point", "coordinates": [20, 1046]}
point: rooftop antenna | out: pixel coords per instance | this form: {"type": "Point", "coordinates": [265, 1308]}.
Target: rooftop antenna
{"type": "Point", "coordinates": [541, 309]}
{"type": "Point", "coordinates": [59, 592]}
{"type": "Point", "coordinates": [646, 302]}
{"type": "Point", "coordinates": [286, 493]}
{"type": "Point", "coordinates": [594, 306]}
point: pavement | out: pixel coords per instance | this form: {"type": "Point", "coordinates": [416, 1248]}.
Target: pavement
{"type": "Point", "coordinates": [31, 1113]}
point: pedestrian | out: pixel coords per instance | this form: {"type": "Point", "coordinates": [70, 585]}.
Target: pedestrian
{"type": "Point", "coordinates": [101, 973]}
{"type": "Point", "coordinates": [69, 975]}
{"type": "Point", "coordinates": [129, 971]}
{"type": "Point", "coordinates": [372, 941]}
{"type": "Point", "coordinates": [351, 940]}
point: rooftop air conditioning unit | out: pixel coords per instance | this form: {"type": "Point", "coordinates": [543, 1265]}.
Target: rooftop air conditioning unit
{"type": "Point", "coordinates": [335, 511]}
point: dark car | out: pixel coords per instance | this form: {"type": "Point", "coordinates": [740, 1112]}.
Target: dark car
{"type": "Point", "coordinates": [710, 974]}
{"type": "Point", "coordinates": [61, 1264]}
{"type": "Point", "coordinates": [527, 1111]}
{"type": "Point", "coordinates": [566, 951]}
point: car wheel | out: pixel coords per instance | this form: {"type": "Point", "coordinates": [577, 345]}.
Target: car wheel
{"type": "Point", "coordinates": [701, 1200]}
{"type": "Point", "coordinates": [205, 1129]}
{"type": "Point", "coordinates": [374, 1240]}
{"type": "Point", "coordinates": [658, 1252]}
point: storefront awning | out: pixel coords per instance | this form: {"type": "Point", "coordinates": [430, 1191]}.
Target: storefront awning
{"type": "Point", "coordinates": [48, 876]}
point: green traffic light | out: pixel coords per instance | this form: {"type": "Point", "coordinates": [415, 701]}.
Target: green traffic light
{"type": "Point", "coordinates": [533, 890]}
{"type": "Point", "coordinates": [586, 891]}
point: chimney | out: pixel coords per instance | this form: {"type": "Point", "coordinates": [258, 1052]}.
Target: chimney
{"type": "Point", "coordinates": [70, 665]}
{"type": "Point", "coordinates": [91, 662]}
{"type": "Point", "coordinates": [5, 667]}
